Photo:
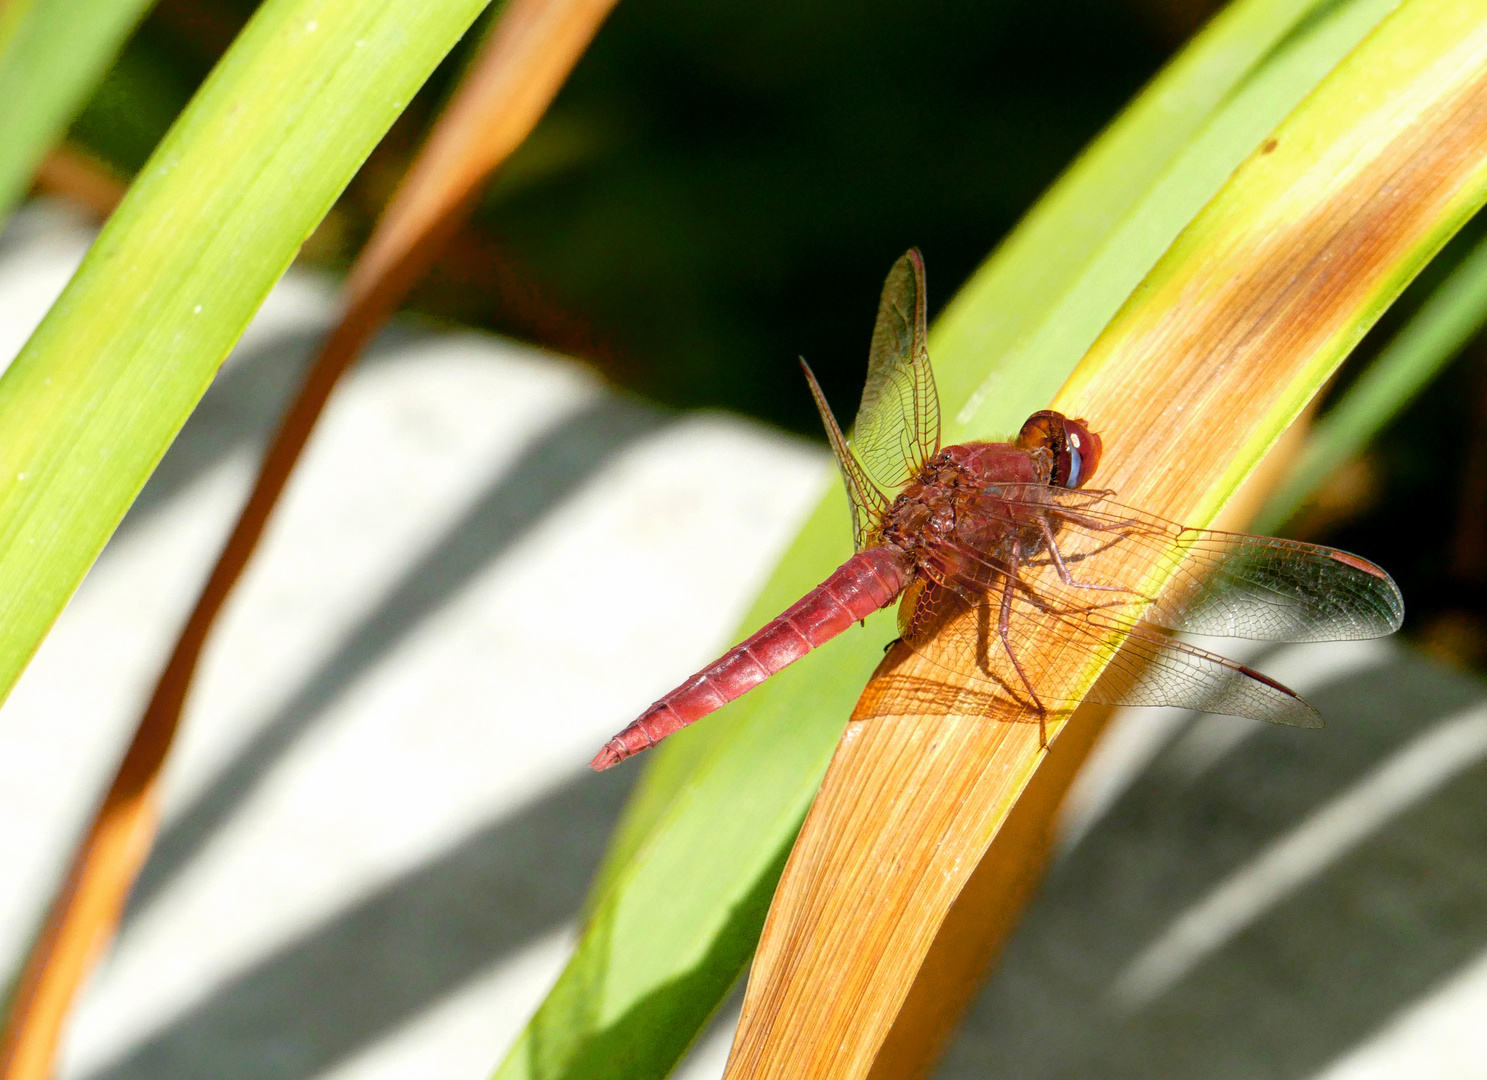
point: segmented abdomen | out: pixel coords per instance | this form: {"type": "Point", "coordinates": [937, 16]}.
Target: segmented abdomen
{"type": "Point", "coordinates": [865, 583]}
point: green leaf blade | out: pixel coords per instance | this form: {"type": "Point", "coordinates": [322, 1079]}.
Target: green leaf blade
{"type": "Point", "coordinates": [220, 210]}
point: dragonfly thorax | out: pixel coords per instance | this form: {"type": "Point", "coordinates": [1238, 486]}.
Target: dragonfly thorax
{"type": "Point", "coordinates": [930, 517]}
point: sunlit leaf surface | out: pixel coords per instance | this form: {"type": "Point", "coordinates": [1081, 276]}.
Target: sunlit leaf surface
{"type": "Point", "coordinates": [1450, 318]}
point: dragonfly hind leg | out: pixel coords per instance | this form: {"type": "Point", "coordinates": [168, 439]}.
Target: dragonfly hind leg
{"type": "Point", "coordinates": [1083, 555]}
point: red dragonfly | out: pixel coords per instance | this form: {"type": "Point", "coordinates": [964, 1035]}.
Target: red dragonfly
{"type": "Point", "coordinates": [1000, 553]}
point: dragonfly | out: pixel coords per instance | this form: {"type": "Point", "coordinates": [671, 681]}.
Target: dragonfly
{"type": "Point", "coordinates": [1014, 578]}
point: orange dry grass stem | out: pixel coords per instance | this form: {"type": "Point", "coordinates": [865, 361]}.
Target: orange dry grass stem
{"type": "Point", "coordinates": [533, 48]}
{"type": "Point", "coordinates": [857, 945]}
{"type": "Point", "coordinates": [82, 179]}
{"type": "Point", "coordinates": [80, 925]}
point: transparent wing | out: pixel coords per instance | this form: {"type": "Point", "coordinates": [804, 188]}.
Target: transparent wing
{"type": "Point", "coordinates": [1035, 658]}
{"type": "Point", "coordinates": [867, 502]}
{"type": "Point", "coordinates": [1219, 584]}
{"type": "Point", "coordinates": [1041, 581]}
{"type": "Point", "coordinates": [898, 423]}
{"type": "Point", "coordinates": [1154, 670]}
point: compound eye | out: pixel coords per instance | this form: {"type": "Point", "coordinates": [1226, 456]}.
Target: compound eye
{"type": "Point", "coordinates": [1042, 431]}
{"type": "Point", "coordinates": [1074, 447]}
{"type": "Point", "coordinates": [1080, 456]}
{"type": "Point", "coordinates": [1048, 430]}
{"type": "Point", "coordinates": [1070, 466]}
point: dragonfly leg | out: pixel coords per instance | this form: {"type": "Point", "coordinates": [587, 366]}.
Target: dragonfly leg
{"type": "Point", "coordinates": [983, 634]}
{"type": "Point", "coordinates": [1050, 542]}
{"type": "Point", "coordinates": [1031, 596]}
{"type": "Point", "coordinates": [1004, 631]}
{"type": "Point", "coordinates": [1074, 517]}
{"type": "Point", "coordinates": [1106, 546]}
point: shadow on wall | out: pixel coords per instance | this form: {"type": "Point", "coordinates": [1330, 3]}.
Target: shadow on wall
{"type": "Point", "coordinates": [552, 467]}
{"type": "Point", "coordinates": [1265, 917]}
{"type": "Point", "coordinates": [388, 957]}
{"type": "Point", "coordinates": [384, 960]}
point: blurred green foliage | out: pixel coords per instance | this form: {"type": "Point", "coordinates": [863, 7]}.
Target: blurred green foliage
{"type": "Point", "coordinates": [1416, 501]}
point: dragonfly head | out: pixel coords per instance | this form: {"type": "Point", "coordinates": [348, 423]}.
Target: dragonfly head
{"type": "Point", "coordinates": [1074, 447]}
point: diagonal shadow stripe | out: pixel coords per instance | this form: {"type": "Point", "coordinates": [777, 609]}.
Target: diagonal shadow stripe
{"type": "Point", "coordinates": [241, 409]}
{"type": "Point", "coordinates": [379, 963]}
{"type": "Point", "coordinates": [238, 410]}
{"type": "Point", "coordinates": [1314, 972]}
{"type": "Point", "coordinates": [552, 467]}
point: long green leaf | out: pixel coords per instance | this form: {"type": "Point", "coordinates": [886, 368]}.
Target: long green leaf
{"type": "Point", "coordinates": [52, 54]}
{"type": "Point", "coordinates": [677, 908]}
{"type": "Point", "coordinates": [213, 220]}
{"type": "Point", "coordinates": [1452, 315]}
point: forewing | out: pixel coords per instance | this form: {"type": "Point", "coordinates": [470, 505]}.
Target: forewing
{"type": "Point", "coordinates": [1220, 584]}
{"type": "Point", "coordinates": [1234, 585]}
{"type": "Point", "coordinates": [867, 503]}
{"type": "Point", "coordinates": [1083, 570]}
{"type": "Point", "coordinates": [898, 423]}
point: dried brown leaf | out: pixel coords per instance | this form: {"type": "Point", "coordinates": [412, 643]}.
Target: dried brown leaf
{"type": "Point", "coordinates": [75, 175]}
{"type": "Point", "coordinates": [929, 831]}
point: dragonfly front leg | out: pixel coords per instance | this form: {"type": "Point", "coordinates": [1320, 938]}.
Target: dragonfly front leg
{"type": "Point", "coordinates": [1074, 517]}
{"type": "Point", "coordinates": [1090, 554]}
{"type": "Point", "coordinates": [1051, 543]}
{"type": "Point", "coordinates": [1004, 631]}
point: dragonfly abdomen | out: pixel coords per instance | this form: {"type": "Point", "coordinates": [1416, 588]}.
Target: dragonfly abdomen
{"type": "Point", "coordinates": [865, 583]}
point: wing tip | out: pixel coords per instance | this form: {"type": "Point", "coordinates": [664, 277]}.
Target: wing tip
{"type": "Point", "coordinates": [1393, 599]}
{"type": "Point", "coordinates": [1299, 713]}
{"type": "Point", "coordinates": [1305, 717]}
